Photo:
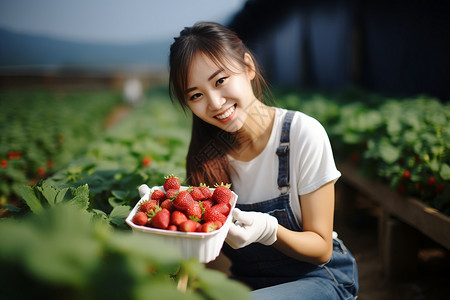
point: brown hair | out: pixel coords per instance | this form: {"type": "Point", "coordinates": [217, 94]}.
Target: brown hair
{"type": "Point", "coordinates": [206, 160]}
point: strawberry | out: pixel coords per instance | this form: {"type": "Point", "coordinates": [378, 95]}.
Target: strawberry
{"type": "Point", "coordinates": [196, 193]}
{"type": "Point", "coordinates": [146, 161]}
{"type": "Point", "coordinates": [222, 193]}
{"type": "Point", "coordinates": [219, 224]}
{"type": "Point", "coordinates": [172, 228]}
{"type": "Point", "coordinates": [406, 174]}
{"type": "Point", "coordinates": [167, 204]}
{"type": "Point", "coordinates": [212, 214]}
{"type": "Point", "coordinates": [207, 204]}
{"type": "Point", "coordinates": [172, 193]}
{"type": "Point", "coordinates": [209, 227]}
{"type": "Point", "coordinates": [188, 226]}
{"type": "Point", "coordinates": [224, 208]}
{"type": "Point", "coordinates": [177, 218]}
{"type": "Point", "coordinates": [205, 190]}
{"type": "Point", "coordinates": [148, 206]}
{"type": "Point", "coordinates": [171, 182]}
{"type": "Point", "coordinates": [140, 218]}
{"type": "Point", "coordinates": [158, 196]}
{"type": "Point", "coordinates": [161, 219]}
{"type": "Point", "coordinates": [194, 212]}
{"type": "Point", "coordinates": [183, 200]}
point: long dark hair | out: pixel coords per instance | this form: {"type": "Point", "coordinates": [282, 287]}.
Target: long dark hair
{"type": "Point", "coordinates": [207, 160]}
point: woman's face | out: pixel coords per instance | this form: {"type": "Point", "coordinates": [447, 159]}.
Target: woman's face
{"type": "Point", "coordinates": [217, 96]}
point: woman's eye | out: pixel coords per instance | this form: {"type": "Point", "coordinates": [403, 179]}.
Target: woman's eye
{"type": "Point", "coordinates": [195, 96]}
{"type": "Point", "coordinates": [220, 81]}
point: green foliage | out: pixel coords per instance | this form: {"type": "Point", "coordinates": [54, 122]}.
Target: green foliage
{"type": "Point", "coordinates": [113, 165]}
{"type": "Point", "coordinates": [403, 142]}
{"type": "Point", "coordinates": [64, 251]}
{"type": "Point", "coordinates": [41, 131]}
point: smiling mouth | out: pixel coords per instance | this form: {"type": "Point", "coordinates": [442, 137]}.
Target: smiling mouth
{"type": "Point", "coordinates": [226, 114]}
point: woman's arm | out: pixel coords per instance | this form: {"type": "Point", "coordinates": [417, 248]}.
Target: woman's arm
{"type": "Point", "coordinates": [315, 243]}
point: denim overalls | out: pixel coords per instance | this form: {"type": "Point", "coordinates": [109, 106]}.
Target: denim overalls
{"type": "Point", "coordinates": [261, 266]}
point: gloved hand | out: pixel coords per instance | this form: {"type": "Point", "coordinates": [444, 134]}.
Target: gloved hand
{"type": "Point", "coordinates": [143, 189]}
{"type": "Point", "coordinates": [252, 227]}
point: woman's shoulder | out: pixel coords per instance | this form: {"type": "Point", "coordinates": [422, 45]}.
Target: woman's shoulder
{"type": "Point", "coordinates": [301, 122]}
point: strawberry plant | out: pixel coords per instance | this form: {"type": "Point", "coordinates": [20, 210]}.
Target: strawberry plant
{"type": "Point", "coordinates": [41, 131]}
{"type": "Point", "coordinates": [403, 142]}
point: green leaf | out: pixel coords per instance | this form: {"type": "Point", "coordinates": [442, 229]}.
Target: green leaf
{"type": "Point", "coordinates": [445, 171]}
{"type": "Point", "coordinates": [389, 153]}
{"type": "Point", "coordinates": [53, 195]}
{"type": "Point", "coordinates": [11, 208]}
{"type": "Point", "coordinates": [28, 194]}
{"type": "Point", "coordinates": [120, 194]}
{"type": "Point", "coordinates": [119, 214]}
{"type": "Point", "coordinates": [81, 196]}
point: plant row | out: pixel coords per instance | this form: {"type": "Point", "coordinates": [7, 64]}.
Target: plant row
{"type": "Point", "coordinates": [404, 142]}
{"type": "Point", "coordinates": [41, 131]}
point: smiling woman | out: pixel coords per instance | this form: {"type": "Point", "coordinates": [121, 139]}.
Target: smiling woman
{"type": "Point", "coordinates": [279, 162]}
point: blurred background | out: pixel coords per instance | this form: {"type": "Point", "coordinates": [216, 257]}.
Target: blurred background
{"type": "Point", "coordinates": [84, 100]}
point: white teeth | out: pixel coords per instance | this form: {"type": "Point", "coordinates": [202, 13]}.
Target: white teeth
{"type": "Point", "coordinates": [226, 114]}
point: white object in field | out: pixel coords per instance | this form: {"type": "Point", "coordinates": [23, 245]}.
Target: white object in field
{"type": "Point", "coordinates": [133, 91]}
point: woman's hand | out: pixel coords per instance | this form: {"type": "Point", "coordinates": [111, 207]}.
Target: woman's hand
{"type": "Point", "coordinates": [252, 227]}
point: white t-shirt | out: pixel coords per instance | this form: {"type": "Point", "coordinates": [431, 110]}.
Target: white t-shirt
{"type": "Point", "coordinates": [311, 163]}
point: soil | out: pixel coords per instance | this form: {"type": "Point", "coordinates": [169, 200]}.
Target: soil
{"type": "Point", "coordinates": [359, 231]}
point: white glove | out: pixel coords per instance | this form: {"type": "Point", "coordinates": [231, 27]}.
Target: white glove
{"type": "Point", "coordinates": [143, 189]}
{"type": "Point", "coordinates": [252, 227]}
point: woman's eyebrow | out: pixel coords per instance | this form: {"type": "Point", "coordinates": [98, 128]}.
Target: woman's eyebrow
{"type": "Point", "coordinates": [214, 74]}
{"type": "Point", "coordinates": [187, 91]}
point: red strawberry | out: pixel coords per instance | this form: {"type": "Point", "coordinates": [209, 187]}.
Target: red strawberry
{"type": "Point", "coordinates": [194, 211]}
{"type": "Point", "coordinates": [205, 190]}
{"type": "Point", "coordinates": [146, 161]}
{"type": "Point", "coordinates": [161, 219]}
{"type": "Point", "coordinates": [172, 228]}
{"type": "Point", "coordinates": [222, 193]}
{"type": "Point", "coordinates": [196, 193]}
{"type": "Point", "coordinates": [212, 214]}
{"type": "Point", "coordinates": [148, 206]}
{"type": "Point", "coordinates": [406, 174]}
{"type": "Point", "coordinates": [172, 193]}
{"type": "Point", "coordinates": [177, 218]}
{"type": "Point", "coordinates": [207, 204]}
{"type": "Point", "coordinates": [140, 218]}
{"type": "Point", "coordinates": [171, 183]}
{"type": "Point", "coordinates": [209, 227]}
{"type": "Point", "coordinates": [183, 200]}
{"type": "Point", "coordinates": [219, 224]}
{"type": "Point", "coordinates": [224, 208]}
{"type": "Point", "coordinates": [167, 204]}
{"type": "Point", "coordinates": [188, 226]}
{"type": "Point", "coordinates": [158, 196]}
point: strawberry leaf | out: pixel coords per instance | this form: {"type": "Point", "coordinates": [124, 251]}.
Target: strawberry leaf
{"type": "Point", "coordinates": [119, 214]}
{"type": "Point", "coordinates": [28, 194]}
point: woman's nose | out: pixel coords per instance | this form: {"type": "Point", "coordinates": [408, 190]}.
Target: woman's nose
{"type": "Point", "coordinates": [215, 101]}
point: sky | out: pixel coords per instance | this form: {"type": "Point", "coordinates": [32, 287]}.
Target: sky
{"type": "Point", "coordinates": [112, 21]}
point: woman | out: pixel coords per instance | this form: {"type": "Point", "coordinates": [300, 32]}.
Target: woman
{"type": "Point", "coordinates": [279, 162]}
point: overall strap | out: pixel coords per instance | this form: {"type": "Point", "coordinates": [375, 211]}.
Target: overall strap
{"type": "Point", "coordinates": [283, 154]}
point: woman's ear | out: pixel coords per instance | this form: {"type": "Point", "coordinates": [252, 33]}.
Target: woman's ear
{"type": "Point", "coordinates": [250, 66]}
